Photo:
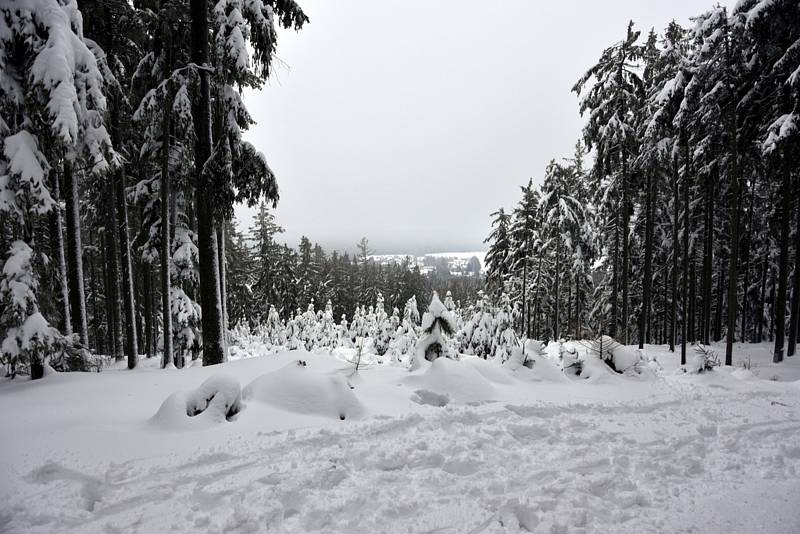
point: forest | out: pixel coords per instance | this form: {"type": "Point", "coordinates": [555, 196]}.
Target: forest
{"type": "Point", "coordinates": [674, 222]}
{"type": "Point", "coordinates": [684, 226]}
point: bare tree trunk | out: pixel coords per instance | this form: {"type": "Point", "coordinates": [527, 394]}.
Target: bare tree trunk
{"type": "Point", "coordinates": [558, 293]}
{"type": "Point", "coordinates": [211, 299]}
{"type": "Point", "coordinates": [795, 317]}
{"type": "Point", "coordinates": [114, 268]}
{"type": "Point", "coordinates": [223, 282]}
{"type": "Point", "coordinates": [685, 287]}
{"type": "Point", "coordinates": [57, 230]}
{"type": "Point", "coordinates": [128, 297]}
{"type": "Point", "coordinates": [747, 254]}
{"type": "Point", "coordinates": [626, 253]}
{"type": "Point", "coordinates": [762, 299]}
{"type": "Point", "coordinates": [149, 346]}
{"type": "Point", "coordinates": [673, 334]}
{"type": "Point", "coordinates": [615, 279]}
{"type": "Point", "coordinates": [77, 296]}
{"type": "Point", "coordinates": [166, 198]}
{"type": "Point", "coordinates": [779, 308]}
{"type": "Point", "coordinates": [647, 282]}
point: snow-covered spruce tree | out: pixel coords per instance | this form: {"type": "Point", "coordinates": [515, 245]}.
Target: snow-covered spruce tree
{"type": "Point", "coordinates": [381, 332]}
{"type": "Point", "coordinates": [266, 255]}
{"type": "Point", "coordinates": [407, 334]}
{"type": "Point", "coordinates": [527, 259]}
{"type": "Point", "coordinates": [614, 101]}
{"type": "Point", "coordinates": [186, 314]}
{"type": "Point", "coordinates": [477, 333]}
{"type": "Point", "coordinates": [343, 333]}
{"type": "Point", "coordinates": [437, 325]}
{"type": "Point", "coordinates": [563, 217]}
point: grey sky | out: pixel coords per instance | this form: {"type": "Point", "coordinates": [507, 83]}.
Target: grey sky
{"type": "Point", "coordinates": [409, 122]}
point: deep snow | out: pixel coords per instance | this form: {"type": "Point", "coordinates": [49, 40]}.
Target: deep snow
{"type": "Point", "coordinates": [454, 447]}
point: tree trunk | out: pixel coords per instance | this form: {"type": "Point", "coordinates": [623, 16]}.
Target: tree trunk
{"type": "Point", "coordinates": [223, 283]}
{"type": "Point", "coordinates": [779, 308]}
{"type": "Point", "coordinates": [733, 264]}
{"type": "Point", "coordinates": [77, 296]}
{"type": "Point", "coordinates": [647, 282]}
{"type": "Point", "coordinates": [625, 251]}
{"type": "Point", "coordinates": [165, 254]}
{"type": "Point", "coordinates": [149, 348]}
{"type": "Point", "coordinates": [558, 294]}
{"type": "Point", "coordinates": [692, 300]}
{"type": "Point", "coordinates": [795, 317]}
{"type": "Point", "coordinates": [673, 333]}
{"type": "Point", "coordinates": [747, 254]}
{"type": "Point", "coordinates": [57, 239]}
{"type": "Point", "coordinates": [708, 256]}
{"type": "Point", "coordinates": [525, 325]}
{"type": "Point", "coordinates": [615, 280]}
{"type": "Point", "coordinates": [685, 287]}
{"type": "Point", "coordinates": [762, 299]}
{"type": "Point", "coordinates": [211, 300]}
{"type": "Point", "coordinates": [113, 262]}
{"type": "Point", "coordinates": [98, 339]}
{"type": "Point", "coordinates": [128, 297]}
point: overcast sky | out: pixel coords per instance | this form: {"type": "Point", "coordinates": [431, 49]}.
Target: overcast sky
{"type": "Point", "coordinates": [409, 122]}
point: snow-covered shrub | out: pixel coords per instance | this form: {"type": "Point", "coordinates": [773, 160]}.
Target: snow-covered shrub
{"type": "Point", "coordinates": [29, 338]}
{"type": "Point", "coordinates": [704, 359]}
{"type": "Point", "coordinates": [624, 359]}
{"type": "Point", "coordinates": [217, 399]}
{"type": "Point", "coordinates": [504, 340]}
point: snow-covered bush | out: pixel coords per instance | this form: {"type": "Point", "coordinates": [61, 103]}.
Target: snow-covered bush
{"type": "Point", "coordinates": [29, 338]}
{"type": "Point", "coordinates": [218, 399]}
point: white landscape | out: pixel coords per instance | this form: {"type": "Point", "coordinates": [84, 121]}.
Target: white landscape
{"type": "Point", "coordinates": [455, 447]}
{"type": "Point", "coordinates": [419, 267]}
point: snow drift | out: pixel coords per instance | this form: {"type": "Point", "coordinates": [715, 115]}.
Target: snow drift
{"type": "Point", "coordinates": [300, 389]}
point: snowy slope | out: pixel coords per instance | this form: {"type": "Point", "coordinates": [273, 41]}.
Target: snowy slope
{"type": "Point", "coordinates": [465, 447]}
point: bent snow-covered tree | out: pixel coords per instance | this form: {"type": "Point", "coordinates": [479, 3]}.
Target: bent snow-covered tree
{"type": "Point", "coordinates": [437, 324]}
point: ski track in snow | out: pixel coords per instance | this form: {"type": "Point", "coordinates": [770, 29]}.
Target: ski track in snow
{"type": "Point", "coordinates": [487, 468]}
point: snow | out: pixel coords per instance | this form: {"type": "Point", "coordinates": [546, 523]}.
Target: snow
{"type": "Point", "coordinates": [299, 389]}
{"type": "Point", "coordinates": [463, 445]}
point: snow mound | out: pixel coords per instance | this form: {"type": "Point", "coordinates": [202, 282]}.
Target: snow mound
{"type": "Point", "coordinates": [461, 383]}
{"type": "Point", "coordinates": [301, 389]}
{"type": "Point", "coordinates": [595, 370]}
{"type": "Point", "coordinates": [217, 399]}
{"type": "Point", "coordinates": [534, 365]}
{"type": "Point", "coordinates": [625, 358]}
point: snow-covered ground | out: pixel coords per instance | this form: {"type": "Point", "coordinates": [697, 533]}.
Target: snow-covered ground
{"type": "Point", "coordinates": [456, 447]}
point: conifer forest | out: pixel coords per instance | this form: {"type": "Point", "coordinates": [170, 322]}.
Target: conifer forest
{"type": "Point", "coordinates": [623, 359]}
